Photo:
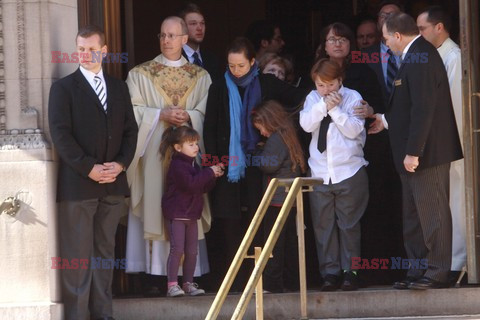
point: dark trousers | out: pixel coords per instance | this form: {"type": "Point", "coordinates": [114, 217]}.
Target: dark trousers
{"type": "Point", "coordinates": [427, 221]}
{"type": "Point", "coordinates": [87, 230]}
{"type": "Point", "coordinates": [281, 270]}
{"type": "Point", "coordinates": [336, 210]}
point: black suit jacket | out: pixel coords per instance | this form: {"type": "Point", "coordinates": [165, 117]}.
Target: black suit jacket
{"type": "Point", "coordinates": [420, 114]}
{"type": "Point", "coordinates": [84, 135]}
{"type": "Point", "coordinates": [210, 63]}
{"type": "Point", "coordinates": [375, 63]}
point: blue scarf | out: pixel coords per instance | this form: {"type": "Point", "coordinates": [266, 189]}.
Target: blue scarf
{"type": "Point", "coordinates": [243, 135]}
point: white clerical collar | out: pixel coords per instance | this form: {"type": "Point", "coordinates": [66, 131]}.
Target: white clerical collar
{"type": "Point", "coordinates": [405, 50]}
{"type": "Point", "coordinates": [171, 63]}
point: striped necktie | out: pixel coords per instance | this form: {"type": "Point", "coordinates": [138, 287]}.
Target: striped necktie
{"type": "Point", "coordinates": [196, 59]}
{"type": "Point", "coordinates": [100, 91]}
{"type": "Point", "coordinates": [391, 71]}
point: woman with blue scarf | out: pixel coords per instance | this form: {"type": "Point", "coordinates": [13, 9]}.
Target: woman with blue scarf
{"type": "Point", "coordinates": [230, 137]}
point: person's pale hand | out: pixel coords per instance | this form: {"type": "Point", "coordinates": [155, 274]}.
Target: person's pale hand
{"type": "Point", "coordinates": [96, 174]}
{"type": "Point", "coordinates": [364, 110]}
{"type": "Point", "coordinates": [173, 115]}
{"type": "Point", "coordinates": [333, 99]}
{"type": "Point", "coordinates": [217, 170]}
{"type": "Point", "coordinates": [377, 125]}
{"type": "Point", "coordinates": [410, 163]}
{"type": "Point", "coordinates": [111, 171]}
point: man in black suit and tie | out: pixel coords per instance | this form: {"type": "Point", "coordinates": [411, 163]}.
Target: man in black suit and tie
{"type": "Point", "coordinates": [95, 134]}
{"type": "Point", "coordinates": [379, 55]}
{"type": "Point", "coordinates": [193, 17]}
{"type": "Point", "coordinates": [424, 141]}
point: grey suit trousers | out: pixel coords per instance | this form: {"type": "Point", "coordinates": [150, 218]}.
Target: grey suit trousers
{"type": "Point", "coordinates": [87, 230]}
{"type": "Point", "coordinates": [427, 221]}
{"type": "Point", "coordinates": [336, 210]}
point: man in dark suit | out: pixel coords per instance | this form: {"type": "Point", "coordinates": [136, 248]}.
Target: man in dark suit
{"type": "Point", "coordinates": [378, 53]}
{"type": "Point", "coordinates": [424, 141]}
{"type": "Point", "coordinates": [95, 133]}
{"type": "Point", "coordinates": [193, 17]}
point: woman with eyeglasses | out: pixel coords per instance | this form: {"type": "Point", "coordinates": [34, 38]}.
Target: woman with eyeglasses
{"type": "Point", "coordinates": [339, 45]}
{"type": "Point", "coordinates": [230, 137]}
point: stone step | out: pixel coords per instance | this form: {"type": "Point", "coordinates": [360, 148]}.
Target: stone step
{"type": "Point", "coordinates": [366, 303]}
{"type": "Point", "coordinates": [457, 317]}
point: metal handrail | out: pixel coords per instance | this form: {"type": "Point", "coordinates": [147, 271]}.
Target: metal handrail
{"type": "Point", "coordinates": [295, 193]}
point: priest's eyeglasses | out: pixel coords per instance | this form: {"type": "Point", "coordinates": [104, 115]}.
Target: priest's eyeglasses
{"type": "Point", "coordinates": [169, 36]}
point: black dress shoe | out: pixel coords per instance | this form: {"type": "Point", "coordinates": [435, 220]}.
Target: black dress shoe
{"type": "Point", "coordinates": [427, 283]}
{"type": "Point", "coordinates": [330, 283]}
{"type": "Point", "coordinates": [404, 284]}
{"type": "Point", "coordinates": [350, 281]}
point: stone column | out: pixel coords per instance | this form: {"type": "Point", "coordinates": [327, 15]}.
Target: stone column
{"type": "Point", "coordinates": [29, 31]}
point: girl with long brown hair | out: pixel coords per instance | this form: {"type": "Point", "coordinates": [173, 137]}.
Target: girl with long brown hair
{"type": "Point", "coordinates": [280, 157]}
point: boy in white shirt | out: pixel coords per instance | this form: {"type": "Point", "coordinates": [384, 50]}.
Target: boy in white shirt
{"type": "Point", "coordinates": [336, 156]}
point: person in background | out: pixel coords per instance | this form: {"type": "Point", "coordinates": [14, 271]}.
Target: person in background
{"type": "Point", "coordinates": [280, 67]}
{"type": "Point", "coordinates": [230, 137]}
{"type": "Point", "coordinates": [166, 91]}
{"type": "Point", "coordinates": [336, 156]}
{"type": "Point", "coordinates": [192, 50]}
{"type": "Point", "coordinates": [367, 34]}
{"type": "Point", "coordinates": [182, 204]}
{"type": "Point", "coordinates": [434, 25]}
{"type": "Point", "coordinates": [281, 157]}
{"type": "Point", "coordinates": [266, 37]}
{"type": "Point", "coordinates": [94, 132]}
{"type": "Point", "coordinates": [387, 64]}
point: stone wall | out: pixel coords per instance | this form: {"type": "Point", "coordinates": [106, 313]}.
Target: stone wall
{"type": "Point", "coordinates": [29, 31]}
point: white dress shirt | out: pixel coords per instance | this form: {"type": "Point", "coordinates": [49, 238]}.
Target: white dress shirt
{"type": "Point", "coordinates": [346, 136]}
{"type": "Point", "coordinates": [189, 51]}
{"type": "Point", "coordinates": [89, 75]}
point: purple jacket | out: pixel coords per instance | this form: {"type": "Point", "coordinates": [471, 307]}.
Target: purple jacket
{"type": "Point", "coordinates": [186, 184]}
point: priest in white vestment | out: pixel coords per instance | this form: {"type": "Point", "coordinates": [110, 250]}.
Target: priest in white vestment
{"type": "Point", "coordinates": [165, 91]}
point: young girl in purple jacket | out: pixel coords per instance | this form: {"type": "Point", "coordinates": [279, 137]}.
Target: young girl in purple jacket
{"type": "Point", "coordinates": [182, 204]}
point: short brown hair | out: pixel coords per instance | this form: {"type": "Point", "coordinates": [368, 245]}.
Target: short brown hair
{"type": "Point", "coordinates": [326, 70]}
{"type": "Point", "coordinates": [190, 7]}
{"type": "Point", "coordinates": [242, 45]}
{"type": "Point", "coordinates": [274, 58]}
{"type": "Point", "coordinates": [401, 23]}
{"type": "Point", "coordinates": [90, 30]}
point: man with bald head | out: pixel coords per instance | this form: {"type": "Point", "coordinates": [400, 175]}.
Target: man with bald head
{"type": "Point", "coordinates": [424, 141]}
{"type": "Point", "coordinates": [166, 91]}
{"type": "Point", "coordinates": [367, 34]}
{"type": "Point", "coordinates": [387, 64]}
